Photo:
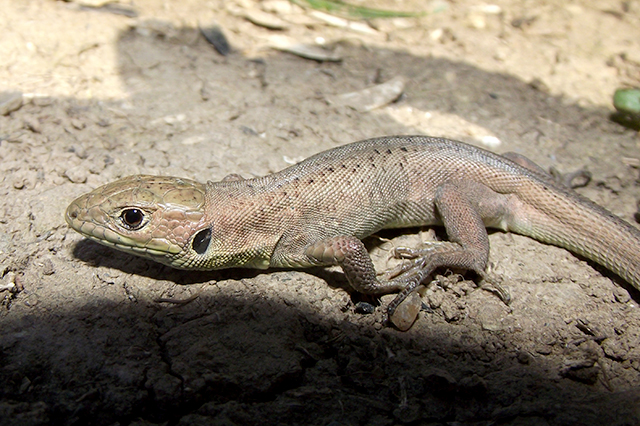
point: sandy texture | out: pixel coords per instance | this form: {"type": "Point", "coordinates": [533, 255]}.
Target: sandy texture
{"type": "Point", "coordinates": [92, 336]}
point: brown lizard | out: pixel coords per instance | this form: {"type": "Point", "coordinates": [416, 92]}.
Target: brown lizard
{"type": "Point", "coordinates": [317, 211]}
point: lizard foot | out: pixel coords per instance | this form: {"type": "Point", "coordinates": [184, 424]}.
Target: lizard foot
{"type": "Point", "coordinates": [403, 310]}
{"type": "Point", "coordinates": [416, 257]}
{"type": "Point", "coordinates": [577, 179]}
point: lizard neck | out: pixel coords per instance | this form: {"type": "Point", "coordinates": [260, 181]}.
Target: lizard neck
{"type": "Point", "coordinates": [246, 220]}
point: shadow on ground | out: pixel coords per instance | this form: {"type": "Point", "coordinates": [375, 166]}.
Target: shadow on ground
{"type": "Point", "coordinates": [243, 360]}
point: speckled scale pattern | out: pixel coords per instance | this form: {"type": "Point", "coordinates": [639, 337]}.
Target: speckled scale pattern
{"type": "Point", "coordinates": [355, 190]}
{"type": "Point", "coordinates": [360, 188]}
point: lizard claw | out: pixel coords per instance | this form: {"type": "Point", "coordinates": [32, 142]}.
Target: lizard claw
{"type": "Point", "coordinates": [404, 253]}
{"type": "Point", "coordinates": [398, 270]}
{"type": "Point", "coordinates": [493, 283]}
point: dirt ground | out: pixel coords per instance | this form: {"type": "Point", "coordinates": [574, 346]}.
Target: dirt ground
{"type": "Point", "coordinates": [93, 336]}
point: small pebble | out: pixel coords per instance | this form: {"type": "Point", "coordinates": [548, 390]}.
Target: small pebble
{"type": "Point", "coordinates": [8, 282]}
{"type": "Point", "coordinates": [47, 267]}
{"type": "Point", "coordinates": [77, 174]}
{"type": "Point", "coordinates": [79, 151]}
{"type": "Point", "coordinates": [491, 141]}
{"type": "Point", "coordinates": [266, 20]}
{"type": "Point", "coordinates": [19, 183]}
{"type": "Point", "coordinates": [405, 314]}
{"type": "Point", "coordinates": [524, 357]}
{"type": "Point", "coordinates": [307, 51]}
{"type": "Point", "coordinates": [435, 297]}
{"type": "Point", "coordinates": [621, 295]}
{"type": "Point", "coordinates": [33, 124]}
{"type": "Point", "coordinates": [342, 23]}
{"type": "Point", "coordinates": [42, 101]}
{"type": "Point", "coordinates": [24, 179]}
{"type": "Point", "coordinates": [92, 3]}
{"type": "Point", "coordinates": [364, 308]}
{"type": "Point", "coordinates": [206, 92]}
{"type": "Point", "coordinates": [450, 311]}
{"type": "Point", "coordinates": [214, 35]}
{"type": "Point", "coordinates": [582, 374]}
{"type": "Point", "coordinates": [31, 300]}
{"type": "Point", "coordinates": [408, 413]}
{"type": "Point", "coordinates": [279, 7]}
{"type": "Point", "coordinates": [9, 102]}
{"type": "Point", "coordinates": [544, 349]}
{"type": "Point", "coordinates": [372, 97]}
{"type": "Point", "coordinates": [78, 124]}
{"type": "Point", "coordinates": [24, 386]}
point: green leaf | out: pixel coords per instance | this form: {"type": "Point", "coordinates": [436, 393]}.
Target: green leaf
{"type": "Point", "coordinates": [337, 7]}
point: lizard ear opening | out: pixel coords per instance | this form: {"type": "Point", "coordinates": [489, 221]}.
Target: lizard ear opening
{"type": "Point", "coordinates": [201, 241]}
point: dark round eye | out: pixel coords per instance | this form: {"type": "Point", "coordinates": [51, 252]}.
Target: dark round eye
{"type": "Point", "coordinates": [132, 218]}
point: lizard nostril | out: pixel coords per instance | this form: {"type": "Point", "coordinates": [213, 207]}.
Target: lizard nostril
{"type": "Point", "coordinates": [201, 241]}
{"type": "Point", "coordinates": [72, 214]}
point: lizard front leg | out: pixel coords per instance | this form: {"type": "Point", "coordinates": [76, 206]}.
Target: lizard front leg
{"type": "Point", "coordinates": [350, 253]}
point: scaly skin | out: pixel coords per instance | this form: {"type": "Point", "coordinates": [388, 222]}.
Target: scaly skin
{"type": "Point", "coordinates": [317, 211]}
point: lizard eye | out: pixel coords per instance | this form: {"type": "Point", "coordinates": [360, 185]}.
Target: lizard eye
{"type": "Point", "coordinates": [132, 218]}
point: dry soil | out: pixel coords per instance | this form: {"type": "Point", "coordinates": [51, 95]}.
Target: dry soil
{"type": "Point", "coordinates": [93, 336]}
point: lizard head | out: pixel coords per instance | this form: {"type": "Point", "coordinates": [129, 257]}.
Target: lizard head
{"type": "Point", "coordinates": [158, 217]}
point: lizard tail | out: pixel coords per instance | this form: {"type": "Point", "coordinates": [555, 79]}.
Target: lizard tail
{"type": "Point", "coordinates": [566, 219]}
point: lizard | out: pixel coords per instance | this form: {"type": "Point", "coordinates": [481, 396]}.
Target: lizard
{"type": "Point", "coordinates": [316, 212]}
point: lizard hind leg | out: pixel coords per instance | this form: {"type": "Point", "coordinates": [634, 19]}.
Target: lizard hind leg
{"type": "Point", "coordinates": [463, 206]}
